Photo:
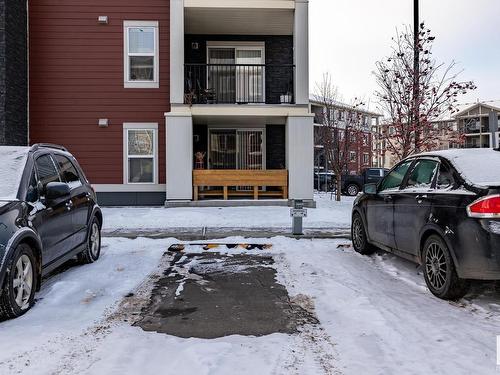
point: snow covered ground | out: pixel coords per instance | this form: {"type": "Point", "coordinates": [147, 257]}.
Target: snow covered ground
{"type": "Point", "coordinates": [376, 318]}
{"type": "Point", "coordinates": [328, 214]}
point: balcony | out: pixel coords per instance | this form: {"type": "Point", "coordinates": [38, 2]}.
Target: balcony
{"type": "Point", "coordinates": [238, 84]}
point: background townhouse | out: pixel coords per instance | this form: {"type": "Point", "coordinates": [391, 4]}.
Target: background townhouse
{"type": "Point", "coordinates": [239, 99]}
{"type": "Point", "coordinates": [479, 124]}
{"type": "Point", "coordinates": [360, 142]}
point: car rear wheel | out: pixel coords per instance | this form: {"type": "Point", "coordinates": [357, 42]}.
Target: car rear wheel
{"type": "Point", "coordinates": [93, 249]}
{"type": "Point", "coordinates": [352, 190]}
{"type": "Point", "coordinates": [358, 235]}
{"type": "Point", "coordinates": [18, 292]}
{"type": "Point", "coordinates": [439, 270]}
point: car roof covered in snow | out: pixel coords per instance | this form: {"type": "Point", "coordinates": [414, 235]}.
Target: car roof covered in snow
{"type": "Point", "coordinates": [12, 162]}
{"type": "Point", "coordinates": [478, 166]}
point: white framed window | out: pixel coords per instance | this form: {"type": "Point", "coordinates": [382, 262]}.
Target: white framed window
{"type": "Point", "coordinates": [140, 149]}
{"type": "Point", "coordinates": [141, 54]}
{"type": "Point", "coordinates": [366, 158]}
{"type": "Point", "coordinates": [352, 156]}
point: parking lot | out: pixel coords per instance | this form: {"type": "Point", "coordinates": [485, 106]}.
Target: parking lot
{"type": "Point", "coordinates": [300, 306]}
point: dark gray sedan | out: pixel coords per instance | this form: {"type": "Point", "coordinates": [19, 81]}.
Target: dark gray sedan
{"type": "Point", "coordinates": [441, 210]}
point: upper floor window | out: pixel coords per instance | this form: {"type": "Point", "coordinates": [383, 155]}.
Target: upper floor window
{"type": "Point", "coordinates": [141, 54]}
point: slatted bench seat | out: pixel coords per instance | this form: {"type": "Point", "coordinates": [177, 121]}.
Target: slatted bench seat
{"type": "Point", "coordinates": [225, 178]}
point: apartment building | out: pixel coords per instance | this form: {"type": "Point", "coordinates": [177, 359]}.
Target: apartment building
{"type": "Point", "coordinates": [238, 97]}
{"type": "Point", "coordinates": [168, 100]}
{"type": "Point", "coordinates": [358, 139]}
{"type": "Point", "coordinates": [478, 123]}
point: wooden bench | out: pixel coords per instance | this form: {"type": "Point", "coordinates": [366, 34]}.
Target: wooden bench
{"type": "Point", "coordinates": [227, 178]}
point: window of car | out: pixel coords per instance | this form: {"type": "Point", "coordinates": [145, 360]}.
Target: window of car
{"type": "Point", "coordinates": [445, 178]}
{"type": "Point", "coordinates": [394, 179]}
{"type": "Point", "coordinates": [374, 172]}
{"type": "Point", "coordinates": [32, 193]}
{"type": "Point", "coordinates": [67, 171]}
{"type": "Point", "coordinates": [422, 174]}
{"type": "Point", "coordinates": [46, 170]}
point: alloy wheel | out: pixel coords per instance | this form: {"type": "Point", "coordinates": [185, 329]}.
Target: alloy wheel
{"type": "Point", "coordinates": [357, 233]}
{"type": "Point", "coordinates": [435, 266]}
{"type": "Point", "coordinates": [23, 282]}
{"type": "Point", "coordinates": [95, 240]}
{"type": "Point", "coordinates": [352, 190]}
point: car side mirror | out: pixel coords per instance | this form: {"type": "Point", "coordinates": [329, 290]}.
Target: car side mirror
{"type": "Point", "coordinates": [55, 190]}
{"type": "Point", "coordinates": [370, 189]}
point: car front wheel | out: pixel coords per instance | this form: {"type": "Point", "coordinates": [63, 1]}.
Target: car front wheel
{"type": "Point", "coordinates": [352, 190]}
{"type": "Point", "coordinates": [18, 292]}
{"type": "Point", "coordinates": [358, 235]}
{"type": "Point", "coordinates": [93, 248]}
{"type": "Point", "coordinates": [439, 271]}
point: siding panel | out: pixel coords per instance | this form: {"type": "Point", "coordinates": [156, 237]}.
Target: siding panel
{"type": "Point", "coordinates": [76, 78]}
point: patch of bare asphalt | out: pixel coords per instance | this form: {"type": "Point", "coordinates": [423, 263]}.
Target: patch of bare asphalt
{"type": "Point", "coordinates": [211, 295]}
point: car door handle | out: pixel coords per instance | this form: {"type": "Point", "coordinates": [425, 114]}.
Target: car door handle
{"type": "Point", "coordinates": [69, 205]}
{"type": "Point", "coordinates": [387, 198]}
{"type": "Point", "coordinates": [421, 197]}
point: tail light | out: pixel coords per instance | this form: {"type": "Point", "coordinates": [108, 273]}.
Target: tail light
{"type": "Point", "coordinates": [485, 208]}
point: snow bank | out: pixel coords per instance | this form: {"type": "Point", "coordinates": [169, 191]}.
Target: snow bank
{"type": "Point", "coordinates": [12, 162]}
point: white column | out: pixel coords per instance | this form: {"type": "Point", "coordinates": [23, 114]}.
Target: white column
{"type": "Point", "coordinates": [300, 157]}
{"type": "Point", "coordinates": [179, 157]}
{"type": "Point", "coordinates": [301, 51]}
{"type": "Point", "coordinates": [177, 51]}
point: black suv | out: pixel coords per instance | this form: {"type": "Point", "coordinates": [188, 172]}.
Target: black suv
{"type": "Point", "coordinates": [48, 215]}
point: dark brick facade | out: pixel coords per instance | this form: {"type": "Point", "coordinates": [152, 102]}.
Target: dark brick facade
{"type": "Point", "coordinates": [278, 52]}
{"type": "Point", "coordinates": [275, 147]}
{"type": "Point", "coordinates": [13, 73]}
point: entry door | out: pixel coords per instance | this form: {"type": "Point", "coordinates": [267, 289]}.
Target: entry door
{"type": "Point", "coordinates": [222, 74]}
{"type": "Point", "coordinates": [412, 206]}
{"type": "Point", "coordinates": [236, 149]}
{"type": "Point", "coordinates": [380, 209]}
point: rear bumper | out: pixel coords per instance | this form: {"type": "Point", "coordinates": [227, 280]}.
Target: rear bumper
{"type": "Point", "coordinates": [477, 249]}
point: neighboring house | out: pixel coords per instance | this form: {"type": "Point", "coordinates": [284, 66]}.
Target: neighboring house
{"type": "Point", "coordinates": [134, 89]}
{"type": "Point", "coordinates": [360, 140]}
{"type": "Point", "coordinates": [479, 124]}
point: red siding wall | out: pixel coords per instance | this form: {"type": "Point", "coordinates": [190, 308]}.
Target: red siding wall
{"type": "Point", "coordinates": [76, 78]}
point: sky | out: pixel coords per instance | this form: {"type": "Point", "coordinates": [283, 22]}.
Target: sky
{"type": "Point", "coordinates": [347, 38]}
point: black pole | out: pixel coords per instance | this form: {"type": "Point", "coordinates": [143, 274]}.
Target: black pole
{"type": "Point", "coordinates": [416, 73]}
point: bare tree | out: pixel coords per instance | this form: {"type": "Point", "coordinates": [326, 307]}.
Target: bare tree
{"type": "Point", "coordinates": [411, 109]}
{"type": "Point", "coordinates": [339, 131]}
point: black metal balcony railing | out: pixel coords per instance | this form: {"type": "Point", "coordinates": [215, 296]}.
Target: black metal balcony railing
{"type": "Point", "coordinates": [238, 84]}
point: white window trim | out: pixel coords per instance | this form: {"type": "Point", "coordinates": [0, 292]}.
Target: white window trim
{"type": "Point", "coordinates": [140, 126]}
{"type": "Point", "coordinates": [156, 75]}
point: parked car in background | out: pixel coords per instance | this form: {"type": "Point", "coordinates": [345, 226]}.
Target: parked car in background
{"type": "Point", "coordinates": [353, 184]}
{"type": "Point", "coordinates": [441, 210]}
{"type": "Point", "coordinates": [324, 181]}
{"type": "Point", "coordinates": [48, 215]}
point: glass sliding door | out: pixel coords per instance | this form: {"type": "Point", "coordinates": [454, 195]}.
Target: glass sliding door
{"type": "Point", "coordinates": [249, 75]}
{"type": "Point", "coordinates": [236, 149]}
{"type": "Point", "coordinates": [236, 74]}
{"type": "Point", "coordinates": [222, 74]}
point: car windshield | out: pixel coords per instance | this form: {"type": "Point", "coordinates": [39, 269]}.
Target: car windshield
{"type": "Point", "coordinates": [12, 162]}
{"type": "Point", "coordinates": [467, 161]}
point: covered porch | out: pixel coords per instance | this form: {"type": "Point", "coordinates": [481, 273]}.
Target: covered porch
{"type": "Point", "coordinates": [236, 157]}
